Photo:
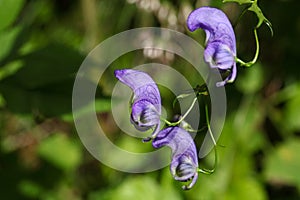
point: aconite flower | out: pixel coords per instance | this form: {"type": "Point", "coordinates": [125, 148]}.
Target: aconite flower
{"type": "Point", "coordinates": [184, 164]}
{"type": "Point", "coordinates": [220, 49]}
{"type": "Point", "coordinates": [146, 100]}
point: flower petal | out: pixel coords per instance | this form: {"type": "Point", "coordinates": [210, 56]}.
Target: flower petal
{"type": "Point", "coordinates": [184, 163]}
{"type": "Point", "coordinates": [144, 115]}
{"type": "Point", "coordinates": [146, 106]}
{"type": "Point", "coordinates": [220, 49]}
{"type": "Point", "coordinates": [218, 56]}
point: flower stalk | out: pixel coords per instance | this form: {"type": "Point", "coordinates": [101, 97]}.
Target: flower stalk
{"type": "Point", "coordinates": [253, 61]}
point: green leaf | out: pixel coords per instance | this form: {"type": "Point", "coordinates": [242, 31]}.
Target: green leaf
{"type": "Point", "coordinates": [283, 164]}
{"type": "Point", "coordinates": [30, 188]}
{"type": "Point", "coordinates": [251, 80]}
{"type": "Point", "coordinates": [44, 102]}
{"type": "Point", "coordinates": [61, 151]}
{"type": "Point", "coordinates": [48, 65]}
{"type": "Point", "coordinates": [101, 105]}
{"type": "Point", "coordinates": [2, 101]}
{"type": "Point", "coordinates": [10, 68]}
{"type": "Point", "coordinates": [43, 84]}
{"type": "Point", "coordinates": [254, 8]}
{"type": "Point", "coordinates": [9, 10]}
{"type": "Point", "coordinates": [7, 40]}
{"type": "Point", "coordinates": [246, 189]}
{"type": "Point", "coordinates": [291, 118]}
{"type": "Point", "coordinates": [132, 188]}
{"type": "Point", "coordinates": [261, 18]}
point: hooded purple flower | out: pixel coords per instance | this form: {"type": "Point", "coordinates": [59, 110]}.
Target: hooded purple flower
{"type": "Point", "coordinates": [184, 165]}
{"type": "Point", "coordinates": [146, 102]}
{"type": "Point", "coordinates": [220, 50]}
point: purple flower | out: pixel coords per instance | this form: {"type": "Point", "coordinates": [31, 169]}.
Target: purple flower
{"type": "Point", "coordinates": [146, 102]}
{"type": "Point", "coordinates": [220, 50]}
{"type": "Point", "coordinates": [184, 165]}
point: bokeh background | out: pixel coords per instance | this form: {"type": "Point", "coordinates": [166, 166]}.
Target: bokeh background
{"type": "Point", "coordinates": [42, 45]}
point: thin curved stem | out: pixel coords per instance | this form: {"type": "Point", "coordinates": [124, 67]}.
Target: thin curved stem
{"type": "Point", "coordinates": [210, 171]}
{"type": "Point", "coordinates": [240, 17]}
{"type": "Point", "coordinates": [208, 125]}
{"type": "Point", "coordinates": [181, 96]}
{"type": "Point", "coordinates": [249, 64]}
{"type": "Point", "coordinates": [183, 117]}
{"type": "Point", "coordinates": [196, 131]}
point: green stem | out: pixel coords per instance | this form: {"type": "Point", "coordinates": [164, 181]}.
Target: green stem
{"type": "Point", "coordinates": [181, 96]}
{"type": "Point", "coordinates": [249, 64]}
{"type": "Point", "coordinates": [196, 131]}
{"type": "Point", "coordinates": [240, 17]}
{"type": "Point", "coordinates": [210, 171]}
{"type": "Point", "coordinates": [208, 125]}
{"type": "Point", "coordinates": [183, 117]}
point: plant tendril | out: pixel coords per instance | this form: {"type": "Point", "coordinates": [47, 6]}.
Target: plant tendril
{"type": "Point", "coordinates": [210, 171]}
{"type": "Point", "coordinates": [183, 117]}
{"type": "Point", "coordinates": [249, 64]}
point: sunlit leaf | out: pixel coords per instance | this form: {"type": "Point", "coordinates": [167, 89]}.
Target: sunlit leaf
{"type": "Point", "coordinates": [10, 68]}
{"type": "Point", "coordinates": [9, 10]}
{"type": "Point", "coordinates": [29, 188]}
{"type": "Point", "coordinates": [7, 40]}
{"type": "Point", "coordinates": [246, 189]}
{"type": "Point", "coordinates": [139, 187]}
{"type": "Point", "coordinates": [61, 151]}
{"type": "Point", "coordinates": [251, 80]}
{"type": "Point", "coordinates": [282, 165]}
{"type": "Point", "coordinates": [101, 105]}
{"type": "Point", "coordinates": [292, 113]}
{"type": "Point", "coordinates": [132, 188]}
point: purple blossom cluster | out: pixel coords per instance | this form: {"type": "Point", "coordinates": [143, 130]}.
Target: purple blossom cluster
{"type": "Point", "coordinates": [220, 53]}
{"type": "Point", "coordinates": [145, 114]}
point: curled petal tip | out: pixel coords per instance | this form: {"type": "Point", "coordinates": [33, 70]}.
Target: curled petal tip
{"type": "Point", "coordinates": [117, 72]}
{"type": "Point", "coordinates": [193, 182]}
{"type": "Point", "coordinates": [220, 84]}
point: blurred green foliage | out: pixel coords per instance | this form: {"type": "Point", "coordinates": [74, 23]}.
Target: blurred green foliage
{"type": "Point", "coordinates": [43, 43]}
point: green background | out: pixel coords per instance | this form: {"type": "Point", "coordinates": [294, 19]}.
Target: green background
{"type": "Point", "coordinates": [44, 42]}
